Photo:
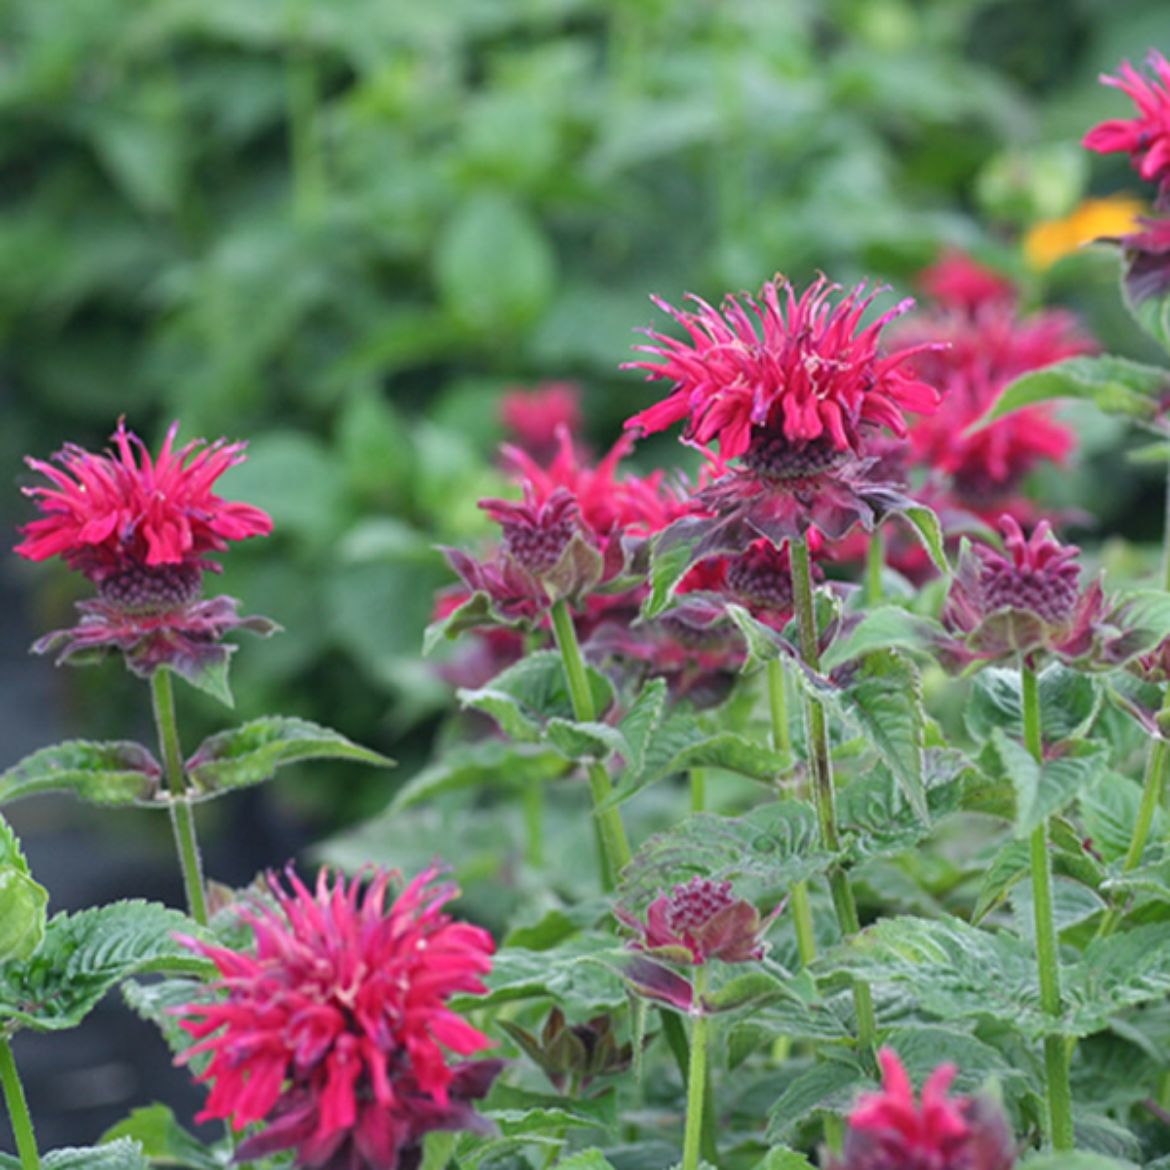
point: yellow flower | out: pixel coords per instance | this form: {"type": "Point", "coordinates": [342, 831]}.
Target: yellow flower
{"type": "Point", "coordinates": [1051, 240]}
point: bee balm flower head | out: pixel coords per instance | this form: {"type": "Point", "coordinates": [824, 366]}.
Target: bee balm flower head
{"type": "Point", "coordinates": [890, 1130]}
{"type": "Point", "coordinates": [335, 1032]}
{"type": "Point", "coordinates": [1145, 138]}
{"type": "Point", "coordinates": [141, 530]}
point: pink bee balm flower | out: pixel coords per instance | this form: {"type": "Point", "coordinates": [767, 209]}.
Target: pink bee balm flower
{"type": "Point", "coordinates": [800, 371]}
{"type": "Point", "coordinates": [958, 281]}
{"type": "Point", "coordinates": [535, 417]}
{"type": "Point", "coordinates": [336, 1031]}
{"type": "Point", "coordinates": [1146, 138]}
{"type": "Point", "coordinates": [122, 512]}
{"type": "Point", "coordinates": [891, 1130]}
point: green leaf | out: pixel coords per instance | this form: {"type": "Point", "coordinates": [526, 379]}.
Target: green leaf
{"type": "Point", "coordinates": [782, 1158]}
{"type": "Point", "coordinates": [585, 1160]}
{"type": "Point", "coordinates": [164, 1140]}
{"type": "Point", "coordinates": [1144, 291]}
{"type": "Point", "coordinates": [22, 901]}
{"type": "Point", "coordinates": [1045, 789]}
{"type": "Point", "coordinates": [639, 724]}
{"type": "Point", "coordinates": [492, 763]}
{"type": "Point", "coordinates": [1069, 702]}
{"type": "Point", "coordinates": [923, 1047]}
{"type": "Point", "coordinates": [671, 555]}
{"type": "Point", "coordinates": [888, 627]}
{"type": "Point", "coordinates": [122, 1154]}
{"type": "Point", "coordinates": [885, 700]}
{"type": "Point", "coordinates": [114, 773]}
{"type": "Point", "coordinates": [1074, 1160]}
{"type": "Point", "coordinates": [84, 955]}
{"type": "Point", "coordinates": [928, 530]}
{"type": "Point", "coordinates": [1011, 864]}
{"type": "Point", "coordinates": [523, 698]}
{"type": "Point", "coordinates": [494, 266]}
{"type": "Point", "coordinates": [1109, 812]}
{"type": "Point", "coordinates": [1116, 973]}
{"type": "Point", "coordinates": [1115, 385]}
{"type": "Point", "coordinates": [763, 642]}
{"type": "Point", "coordinates": [774, 845]}
{"type": "Point", "coordinates": [251, 753]}
{"type": "Point", "coordinates": [830, 1087]}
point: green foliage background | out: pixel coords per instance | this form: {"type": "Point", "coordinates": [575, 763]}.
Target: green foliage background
{"type": "Point", "coordinates": [340, 229]}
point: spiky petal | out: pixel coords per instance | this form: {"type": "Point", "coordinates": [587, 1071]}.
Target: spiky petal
{"type": "Point", "coordinates": [335, 1031]}
{"type": "Point", "coordinates": [1145, 138]}
{"type": "Point", "coordinates": [122, 510]}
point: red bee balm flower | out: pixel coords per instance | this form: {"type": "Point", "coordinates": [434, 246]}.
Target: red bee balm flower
{"type": "Point", "coordinates": [535, 417]}
{"type": "Point", "coordinates": [1146, 138]}
{"type": "Point", "coordinates": [890, 1130]}
{"type": "Point", "coordinates": [122, 513]}
{"type": "Point", "coordinates": [334, 1030]}
{"type": "Point", "coordinates": [783, 369]}
{"type": "Point", "coordinates": [140, 530]}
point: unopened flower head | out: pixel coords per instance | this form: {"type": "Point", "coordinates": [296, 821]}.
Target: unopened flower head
{"type": "Point", "coordinates": [1146, 137]}
{"type": "Point", "coordinates": [335, 1032]}
{"type": "Point", "coordinates": [140, 528]}
{"type": "Point", "coordinates": [891, 1130]}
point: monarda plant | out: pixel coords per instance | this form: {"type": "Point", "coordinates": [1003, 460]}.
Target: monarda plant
{"type": "Point", "coordinates": [765, 867]}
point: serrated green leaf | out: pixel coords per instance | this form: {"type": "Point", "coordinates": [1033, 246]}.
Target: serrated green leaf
{"type": "Point", "coordinates": [210, 674]}
{"type": "Point", "coordinates": [830, 1087]}
{"type": "Point", "coordinates": [585, 741]}
{"type": "Point", "coordinates": [488, 764]}
{"type": "Point", "coordinates": [164, 1141]}
{"type": "Point", "coordinates": [84, 955]}
{"type": "Point", "coordinates": [1115, 385]}
{"type": "Point", "coordinates": [639, 724]}
{"type": "Point", "coordinates": [751, 989]}
{"type": "Point", "coordinates": [1115, 973]}
{"type": "Point", "coordinates": [772, 846]}
{"type": "Point", "coordinates": [671, 554]}
{"type": "Point", "coordinates": [122, 1154]}
{"type": "Point", "coordinates": [22, 914]}
{"type": "Point", "coordinates": [523, 698]}
{"type": "Point", "coordinates": [1045, 789]}
{"type": "Point", "coordinates": [1069, 702]}
{"type": "Point", "coordinates": [1011, 863]}
{"type": "Point", "coordinates": [112, 773]}
{"type": "Point", "coordinates": [586, 1160]}
{"type": "Point", "coordinates": [1109, 811]}
{"type": "Point", "coordinates": [763, 642]}
{"type": "Point", "coordinates": [251, 753]}
{"type": "Point", "coordinates": [889, 627]}
{"type": "Point", "coordinates": [782, 1158]}
{"type": "Point", "coordinates": [923, 1047]}
{"type": "Point", "coordinates": [885, 700]}
{"type": "Point", "coordinates": [1144, 291]}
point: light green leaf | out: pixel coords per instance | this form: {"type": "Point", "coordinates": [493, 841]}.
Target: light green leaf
{"type": "Point", "coordinates": [164, 1141]}
{"type": "Point", "coordinates": [782, 1158]}
{"type": "Point", "coordinates": [928, 530]}
{"type": "Point", "coordinates": [889, 627]}
{"type": "Point", "coordinates": [1069, 702]}
{"type": "Point", "coordinates": [251, 753]}
{"type": "Point", "coordinates": [122, 1154]}
{"type": "Point", "coordinates": [671, 554]}
{"type": "Point", "coordinates": [113, 773]}
{"type": "Point", "coordinates": [489, 764]}
{"type": "Point", "coordinates": [1116, 385]}
{"type": "Point", "coordinates": [22, 901]}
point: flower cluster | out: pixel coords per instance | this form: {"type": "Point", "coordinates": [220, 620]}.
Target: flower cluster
{"type": "Point", "coordinates": [890, 1130]}
{"type": "Point", "coordinates": [534, 419]}
{"type": "Point", "coordinates": [141, 530]}
{"type": "Point", "coordinates": [335, 1031]}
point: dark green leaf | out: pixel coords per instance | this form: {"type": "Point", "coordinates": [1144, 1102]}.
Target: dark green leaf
{"type": "Point", "coordinates": [489, 764]}
{"type": "Point", "coordinates": [830, 1087]}
{"type": "Point", "coordinates": [84, 955]}
{"type": "Point", "coordinates": [164, 1141]}
{"type": "Point", "coordinates": [119, 772]}
{"type": "Point", "coordinates": [251, 753]}
{"type": "Point", "coordinates": [1069, 702]}
{"type": "Point", "coordinates": [671, 554]}
{"type": "Point", "coordinates": [888, 627]}
{"type": "Point", "coordinates": [122, 1154]}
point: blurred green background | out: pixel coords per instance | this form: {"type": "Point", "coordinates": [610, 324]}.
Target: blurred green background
{"type": "Point", "coordinates": [340, 229]}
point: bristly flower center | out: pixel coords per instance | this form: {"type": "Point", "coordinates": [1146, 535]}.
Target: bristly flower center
{"type": "Point", "coordinates": [693, 904]}
{"type": "Point", "coordinates": [146, 589]}
{"type": "Point", "coordinates": [771, 455]}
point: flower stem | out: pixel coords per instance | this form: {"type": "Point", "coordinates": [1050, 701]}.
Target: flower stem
{"type": "Point", "coordinates": [1157, 765]}
{"type": "Point", "coordinates": [875, 557]}
{"type": "Point", "coordinates": [182, 815]}
{"type": "Point", "coordinates": [1166, 539]}
{"type": "Point", "coordinates": [698, 790]}
{"type": "Point", "coordinates": [1056, 1049]}
{"type": "Point", "coordinates": [821, 762]}
{"type": "Point", "coordinates": [18, 1114]}
{"type": "Point", "coordinates": [615, 847]}
{"type": "Point", "coordinates": [802, 919]}
{"type": "Point", "coordinates": [696, 1077]}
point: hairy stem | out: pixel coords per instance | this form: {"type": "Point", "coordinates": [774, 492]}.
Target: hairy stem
{"type": "Point", "coordinates": [18, 1114]}
{"type": "Point", "coordinates": [182, 815]}
{"type": "Point", "coordinates": [824, 796]}
{"type": "Point", "coordinates": [1056, 1049]}
{"type": "Point", "coordinates": [875, 557]}
{"type": "Point", "coordinates": [615, 847]}
{"type": "Point", "coordinates": [696, 1077]}
{"type": "Point", "coordinates": [698, 789]}
{"type": "Point", "coordinates": [802, 919]}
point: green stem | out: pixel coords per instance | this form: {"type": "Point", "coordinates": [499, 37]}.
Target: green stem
{"type": "Point", "coordinates": [698, 790]}
{"type": "Point", "coordinates": [182, 815]}
{"type": "Point", "coordinates": [1166, 539]}
{"type": "Point", "coordinates": [696, 1077]}
{"type": "Point", "coordinates": [18, 1114]}
{"type": "Point", "coordinates": [802, 919]}
{"type": "Point", "coordinates": [1157, 765]}
{"type": "Point", "coordinates": [615, 847]}
{"type": "Point", "coordinates": [1056, 1048]}
{"type": "Point", "coordinates": [875, 557]}
{"type": "Point", "coordinates": [824, 796]}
